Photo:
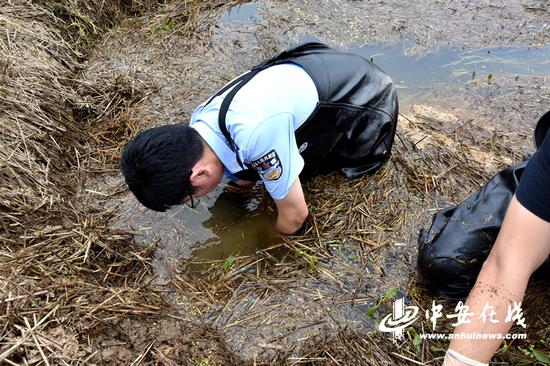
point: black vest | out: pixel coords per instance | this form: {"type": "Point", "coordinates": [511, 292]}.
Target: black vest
{"type": "Point", "coordinates": [355, 120]}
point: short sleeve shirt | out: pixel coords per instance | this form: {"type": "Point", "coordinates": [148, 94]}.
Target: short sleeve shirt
{"type": "Point", "coordinates": [261, 120]}
{"type": "Point", "coordinates": [534, 188]}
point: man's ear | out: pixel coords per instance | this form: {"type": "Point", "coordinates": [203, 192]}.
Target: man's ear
{"type": "Point", "coordinates": [197, 174]}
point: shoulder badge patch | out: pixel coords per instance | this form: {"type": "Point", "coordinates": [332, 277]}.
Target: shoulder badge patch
{"type": "Point", "coordinates": [268, 166]}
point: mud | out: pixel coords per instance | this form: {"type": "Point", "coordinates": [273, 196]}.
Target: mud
{"type": "Point", "coordinates": [456, 110]}
{"type": "Point", "coordinates": [164, 340]}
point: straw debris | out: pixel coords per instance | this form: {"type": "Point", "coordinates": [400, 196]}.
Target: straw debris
{"type": "Point", "coordinates": [73, 290]}
{"type": "Point", "coordinates": [63, 271]}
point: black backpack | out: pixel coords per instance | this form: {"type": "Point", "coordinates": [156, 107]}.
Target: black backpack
{"type": "Point", "coordinates": [353, 125]}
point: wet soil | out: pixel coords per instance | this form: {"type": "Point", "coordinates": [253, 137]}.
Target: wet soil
{"type": "Point", "coordinates": [472, 77]}
{"type": "Point", "coordinates": [165, 340]}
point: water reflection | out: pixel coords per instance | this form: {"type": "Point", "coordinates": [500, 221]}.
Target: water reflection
{"type": "Point", "coordinates": [227, 221]}
{"type": "Point", "coordinates": [447, 71]}
{"type": "Point", "coordinates": [453, 64]}
{"type": "Point", "coordinates": [241, 223]}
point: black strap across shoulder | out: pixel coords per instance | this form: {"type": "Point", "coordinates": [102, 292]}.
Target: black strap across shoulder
{"type": "Point", "coordinates": [225, 107]}
{"type": "Point", "coordinates": [237, 84]}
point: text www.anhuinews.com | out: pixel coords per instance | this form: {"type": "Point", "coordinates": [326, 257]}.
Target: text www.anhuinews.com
{"type": "Point", "coordinates": [473, 336]}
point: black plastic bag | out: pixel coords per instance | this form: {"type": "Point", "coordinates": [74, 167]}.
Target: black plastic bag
{"type": "Point", "coordinates": [453, 249]}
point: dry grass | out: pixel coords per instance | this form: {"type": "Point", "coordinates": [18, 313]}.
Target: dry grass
{"type": "Point", "coordinates": [72, 290]}
{"type": "Point", "coordinates": [64, 274]}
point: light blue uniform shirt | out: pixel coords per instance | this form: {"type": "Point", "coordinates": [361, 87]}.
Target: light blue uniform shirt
{"type": "Point", "coordinates": [261, 120]}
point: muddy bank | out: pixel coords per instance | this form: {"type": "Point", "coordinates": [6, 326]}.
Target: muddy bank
{"type": "Point", "coordinates": [166, 340]}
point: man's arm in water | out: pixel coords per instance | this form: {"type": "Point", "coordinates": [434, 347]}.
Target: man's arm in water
{"type": "Point", "coordinates": [522, 245]}
{"type": "Point", "coordinates": [292, 210]}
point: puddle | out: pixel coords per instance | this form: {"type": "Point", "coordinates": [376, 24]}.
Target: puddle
{"type": "Point", "coordinates": [224, 223]}
{"type": "Point", "coordinates": [452, 69]}
{"type": "Point", "coordinates": [243, 13]}
{"type": "Point", "coordinates": [238, 223]}
{"type": "Point", "coordinates": [447, 65]}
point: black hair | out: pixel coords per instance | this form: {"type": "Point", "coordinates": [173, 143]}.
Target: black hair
{"type": "Point", "coordinates": [158, 162]}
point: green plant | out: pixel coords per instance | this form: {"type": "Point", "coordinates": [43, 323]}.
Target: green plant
{"type": "Point", "coordinates": [228, 263]}
{"type": "Point", "coordinates": [390, 294]}
{"type": "Point", "coordinates": [531, 352]}
{"type": "Point", "coordinates": [310, 258]}
{"type": "Point", "coordinates": [203, 361]}
{"type": "Point", "coordinates": [415, 338]}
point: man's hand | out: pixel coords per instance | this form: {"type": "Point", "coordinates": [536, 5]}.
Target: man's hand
{"type": "Point", "coordinates": [522, 245]}
{"type": "Point", "coordinates": [292, 210]}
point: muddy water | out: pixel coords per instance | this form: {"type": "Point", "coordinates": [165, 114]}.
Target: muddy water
{"type": "Point", "coordinates": [247, 12]}
{"type": "Point", "coordinates": [226, 222]}
{"type": "Point", "coordinates": [442, 65]}
{"type": "Point", "coordinates": [239, 225]}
